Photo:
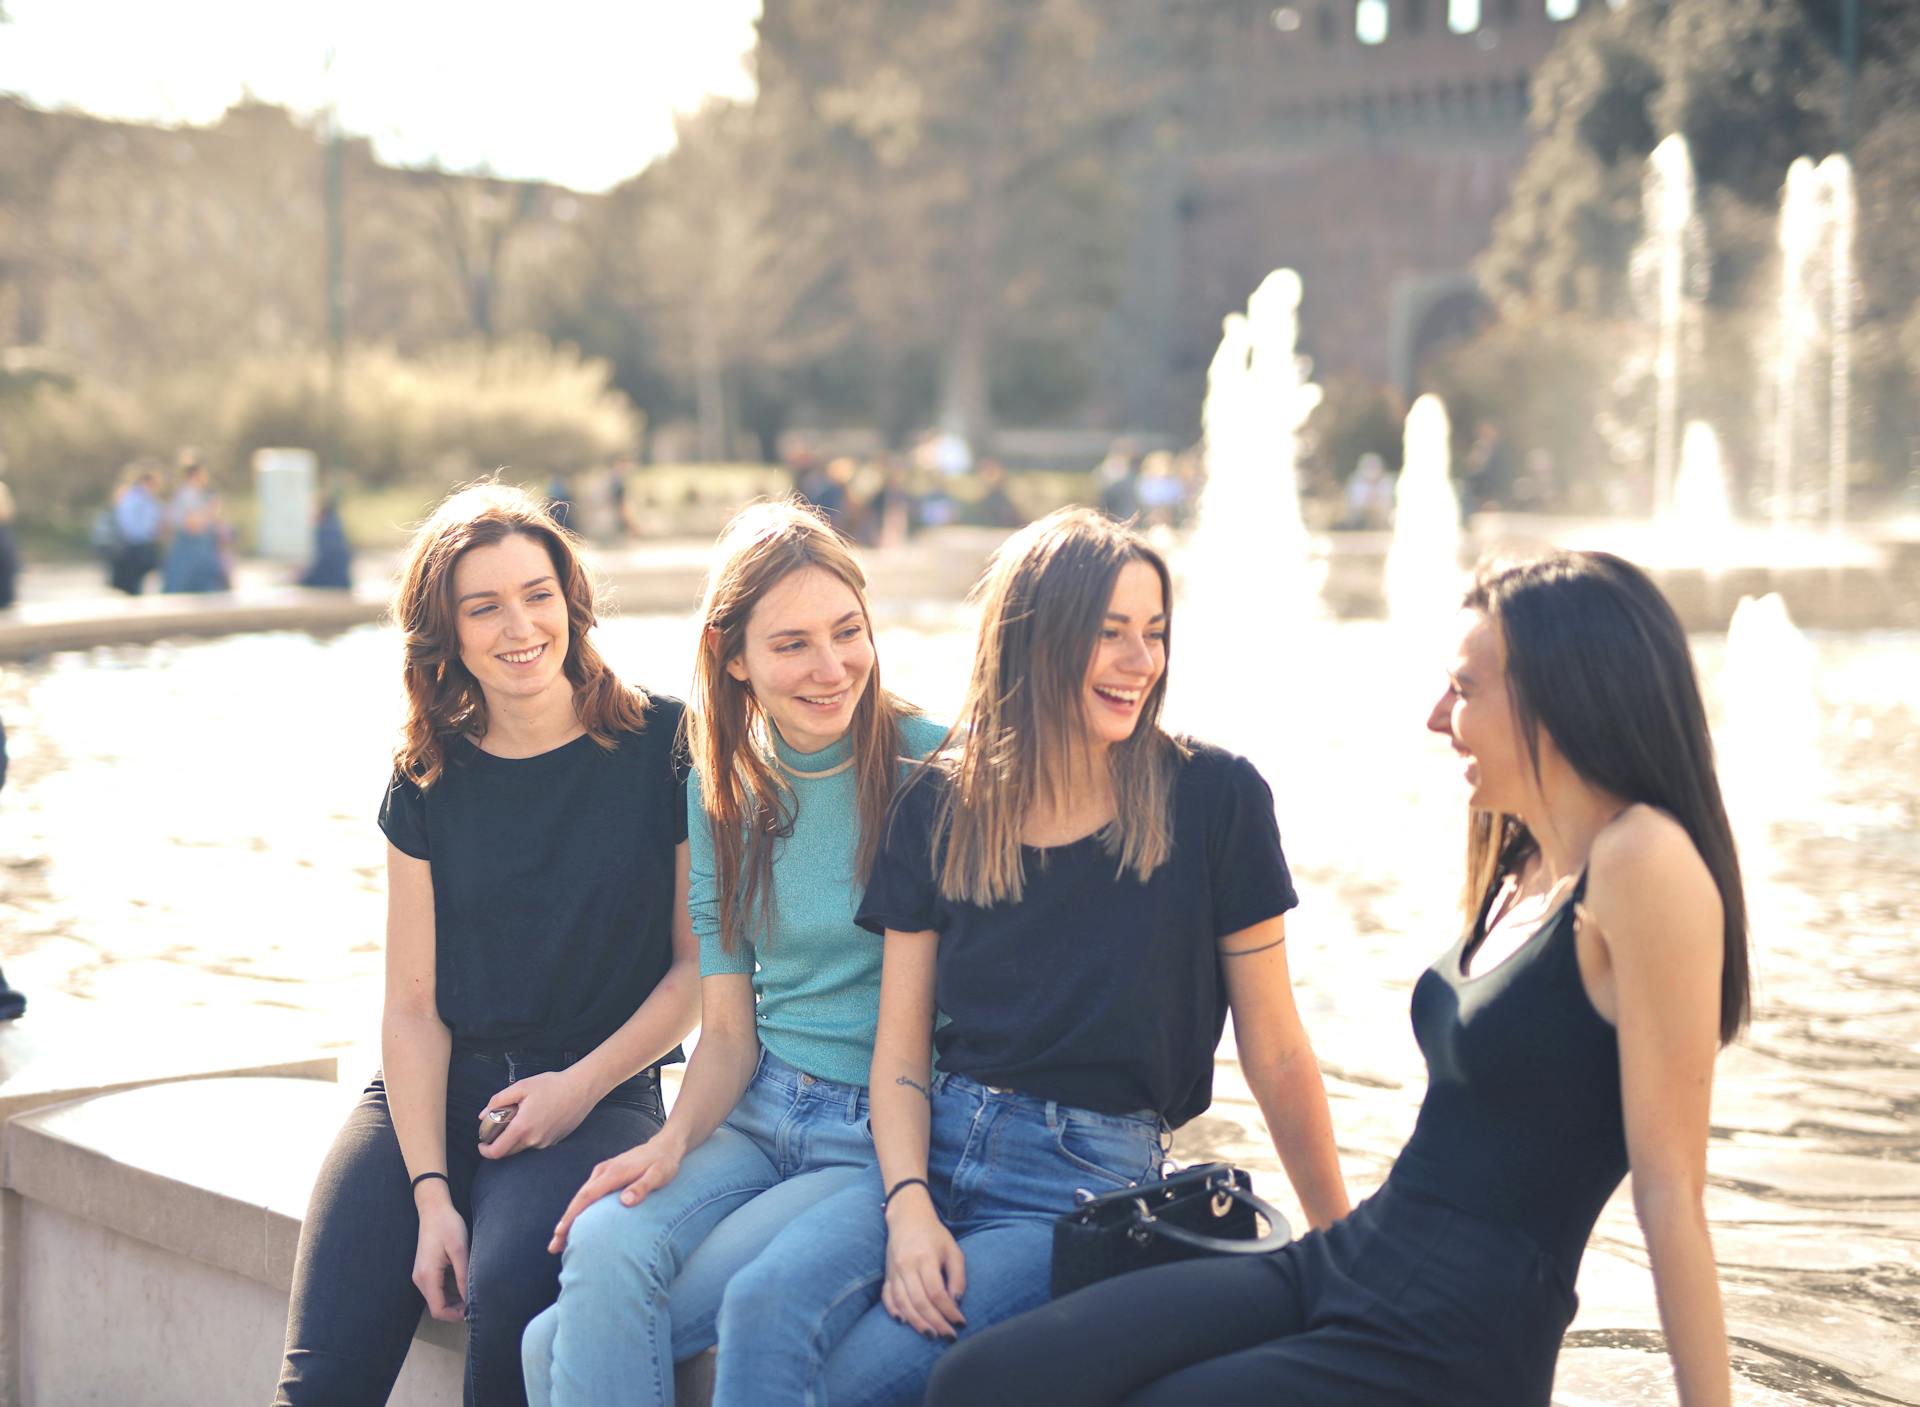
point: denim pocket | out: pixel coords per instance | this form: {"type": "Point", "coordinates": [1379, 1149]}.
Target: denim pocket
{"type": "Point", "coordinates": [1122, 1152]}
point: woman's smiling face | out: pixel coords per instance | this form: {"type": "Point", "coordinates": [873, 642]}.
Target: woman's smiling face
{"type": "Point", "coordinates": [808, 657]}
{"type": "Point", "coordinates": [1129, 657]}
{"type": "Point", "coordinates": [512, 618]}
{"type": "Point", "coordinates": [1476, 715]}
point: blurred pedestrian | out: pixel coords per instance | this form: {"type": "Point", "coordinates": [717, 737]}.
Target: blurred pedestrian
{"type": "Point", "coordinates": [1159, 492]}
{"type": "Point", "coordinates": [996, 508]}
{"type": "Point", "coordinates": [1117, 479]}
{"type": "Point", "coordinates": [196, 553]}
{"type": "Point", "coordinates": [132, 526]}
{"type": "Point", "coordinates": [1369, 495]}
{"type": "Point", "coordinates": [9, 549]}
{"type": "Point", "coordinates": [833, 495]}
{"type": "Point", "coordinates": [332, 565]}
{"type": "Point", "coordinates": [560, 501]}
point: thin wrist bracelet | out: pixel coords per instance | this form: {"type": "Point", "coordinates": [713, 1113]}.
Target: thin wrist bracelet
{"type": "Point", "coordinates": [902, 1185]}
{"type": "Point", "coordinates": [425, 1175]}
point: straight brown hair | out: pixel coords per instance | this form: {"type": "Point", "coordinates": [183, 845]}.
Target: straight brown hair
{"type": "Point", "coordinates": [1043, 601]}
{"type": "Point", "coordinates": [1597, 660]}
{"type": "Point", "coordinates": [443, 698]}
{"type": "Point", "coordinates": [748, 805]}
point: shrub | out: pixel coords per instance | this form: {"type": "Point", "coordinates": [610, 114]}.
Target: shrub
{"type": "Point", "coordinates": [453, 413]}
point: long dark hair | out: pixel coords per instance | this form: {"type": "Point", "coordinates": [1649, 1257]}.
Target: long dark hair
{"type": "Point", "coordinates": [1597, 659]}
{"type": "Point", "coordinates": [442, 697]}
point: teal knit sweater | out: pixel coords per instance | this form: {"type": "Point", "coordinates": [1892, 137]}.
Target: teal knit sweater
{"type": "Point", "coordinates": [816, 977]}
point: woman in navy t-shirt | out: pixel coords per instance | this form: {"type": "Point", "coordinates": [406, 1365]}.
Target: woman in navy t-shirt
{"type": "Point", "coordinates": [1082, 898]}
{"type": "Point", "coordinates": [541, 964]}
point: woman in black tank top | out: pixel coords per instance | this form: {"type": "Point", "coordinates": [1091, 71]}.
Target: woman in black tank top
{"type": "Point", "coordinates": [1569, 1035]}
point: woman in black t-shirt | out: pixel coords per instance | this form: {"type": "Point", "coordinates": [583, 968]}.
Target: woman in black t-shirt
{"type": "Point", "coordinates": [1083, 898]}
{"type": "Point", "coordinates": [1570, 1036]}
{"type": "Point", "coordinates": [540, 962]}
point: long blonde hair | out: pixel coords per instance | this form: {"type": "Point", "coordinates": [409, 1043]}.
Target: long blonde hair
{"type": "Point", "coordinates": [1043, 601]}
{"type": "Point", "coordinates": [748, 805]}
{"type": "Point", "coordinates": [443, 698]}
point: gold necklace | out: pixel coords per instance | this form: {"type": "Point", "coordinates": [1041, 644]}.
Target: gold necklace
{"type": "Point", "coordinates": [832, 771]}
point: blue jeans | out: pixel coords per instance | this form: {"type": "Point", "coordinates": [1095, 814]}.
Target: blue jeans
{"type": "Point", "coordinates": [640, 1287]}
{"type": "Point", "coordinates": [803, 1324]}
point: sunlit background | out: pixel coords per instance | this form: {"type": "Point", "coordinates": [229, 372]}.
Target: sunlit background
{"type": "Point", "coordinates": [1638, 276]}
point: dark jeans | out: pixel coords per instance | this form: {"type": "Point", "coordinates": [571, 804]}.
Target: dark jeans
{"type": "Point", "coordinates": [354, 1308]}
{"type": "Point", "coordinates": [132, 563]}
{"type": "Point", "coordinates": [1406, 1301]}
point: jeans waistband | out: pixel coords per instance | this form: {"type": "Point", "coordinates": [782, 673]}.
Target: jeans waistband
{"type": "Point", "coordinates": [519, 1064]}
{"type": "Point", "coordinates": [773, 1070]}
{"type": "Point", "coordinates": [1049, 1110]}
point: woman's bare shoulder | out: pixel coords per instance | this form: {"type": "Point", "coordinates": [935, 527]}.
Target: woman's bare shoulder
{"type": "Point", "coordinates": [1645, 876]}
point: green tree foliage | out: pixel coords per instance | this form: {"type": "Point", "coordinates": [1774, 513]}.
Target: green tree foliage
{"type": "Point", "coordinates": [972, 156]}
{"type": "Point", "coordinates": [1751, 84]}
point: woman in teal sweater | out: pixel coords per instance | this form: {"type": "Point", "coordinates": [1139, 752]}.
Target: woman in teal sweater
{"type": "Point", "coordinates": [796, 752]}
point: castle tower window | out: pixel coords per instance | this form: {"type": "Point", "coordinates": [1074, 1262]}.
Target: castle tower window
{"type": "Point", "coordinates": [1562, 9]}
{"type": "Point", "coordinates": [1370, 21]}
{"type": "Point", "coordinates": [1413, 14]}
{"type": "Point", "coordinates": [1463, 16]}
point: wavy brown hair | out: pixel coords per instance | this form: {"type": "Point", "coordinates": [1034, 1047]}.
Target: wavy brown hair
{"type": "Point", "coordinates": [1598, 661]}
{"type": "Point", "coordinates": [443, 698]}
{"type": "Point", "coordinates": [749, 806]}
{"type": "Point", "coordinates": [1043, 601]}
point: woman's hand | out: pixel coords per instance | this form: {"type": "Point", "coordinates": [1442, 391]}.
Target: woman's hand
{"type": "Point", "coordinates": [926, 1269]}
{"type": "Point", "coordinates": [548, 1108]}
{"type": "Point", "coordinates": [644, 1168]}
{"type": "Point", "coordinates": [442, 1248]}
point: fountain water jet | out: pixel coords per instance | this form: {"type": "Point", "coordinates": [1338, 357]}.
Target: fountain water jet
{"type": "Point", "coordinates": [1249, 548]}
{"type": "Point", "coordinates": [1817, 219]}
{"type": "Point", "coordinates": [1423, 577]}
{"type": "Point", "coordinates": [1258, 397]}
{"type": "Point", "coordinates": [1769, 721]}
{"type": "Point", "coordinates": [1669, 274]}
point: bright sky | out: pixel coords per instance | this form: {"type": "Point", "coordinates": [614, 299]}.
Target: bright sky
{"type": "Point", "coordinates": [581, 92]}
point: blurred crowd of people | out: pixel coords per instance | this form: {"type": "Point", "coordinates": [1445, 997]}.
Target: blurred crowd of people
{"type": "Point", "coordinates": [1155, 489]}
{"type": "Point", "coordinates": [886, 501]}
{"type": "Point", "coordinates": [182, 533]}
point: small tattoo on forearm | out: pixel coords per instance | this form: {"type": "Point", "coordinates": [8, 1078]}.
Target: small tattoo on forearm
{"type": "Point", "coordinates": [915, 1084]}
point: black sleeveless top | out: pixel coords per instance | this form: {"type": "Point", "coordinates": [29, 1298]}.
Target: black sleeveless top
{"type": "Point", "coordinates": [1522, 1121]}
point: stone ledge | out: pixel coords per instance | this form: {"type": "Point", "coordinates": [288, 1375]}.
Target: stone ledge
{"type": "Point", "coordinates": [217, 1170]}
{"type": "Point", "coordinates": [209, 1177]}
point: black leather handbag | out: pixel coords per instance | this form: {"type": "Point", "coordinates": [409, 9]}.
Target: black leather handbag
{"type": "Point", "coordinates": [1206, 1210]}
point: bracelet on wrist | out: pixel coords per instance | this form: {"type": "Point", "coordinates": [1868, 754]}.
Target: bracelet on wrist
{"type": "Point", "coordinates": [901, 1186]}
{"type": "Point", "coordinates": [426, 1175]}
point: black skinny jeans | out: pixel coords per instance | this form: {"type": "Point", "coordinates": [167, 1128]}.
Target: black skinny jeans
{"type": "Point", "coordinates": [354, 1307]}
{"type": "Point", "coordinates": [1406, 1302]}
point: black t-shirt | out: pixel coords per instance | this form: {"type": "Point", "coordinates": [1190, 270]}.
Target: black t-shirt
{"type": "Point", "coordinates": [1094, 990]}
{"type": "Point", "coordinates": [552, 882]}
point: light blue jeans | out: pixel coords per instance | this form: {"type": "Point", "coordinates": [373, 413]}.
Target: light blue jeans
{"type": "Point", "coordinates": [803, 1325]}
{"type": "Point", "coordinates": [640, 1286]}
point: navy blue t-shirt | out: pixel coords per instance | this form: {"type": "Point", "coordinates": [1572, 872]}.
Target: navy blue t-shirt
{"type": "Point", "coordinates": [553, 882]}
{"type": "Point", "coordinates": [1096, 990]}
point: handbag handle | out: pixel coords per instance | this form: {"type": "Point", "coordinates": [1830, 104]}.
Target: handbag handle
{"type": "Point", "coordinates": [1278, 1232]}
